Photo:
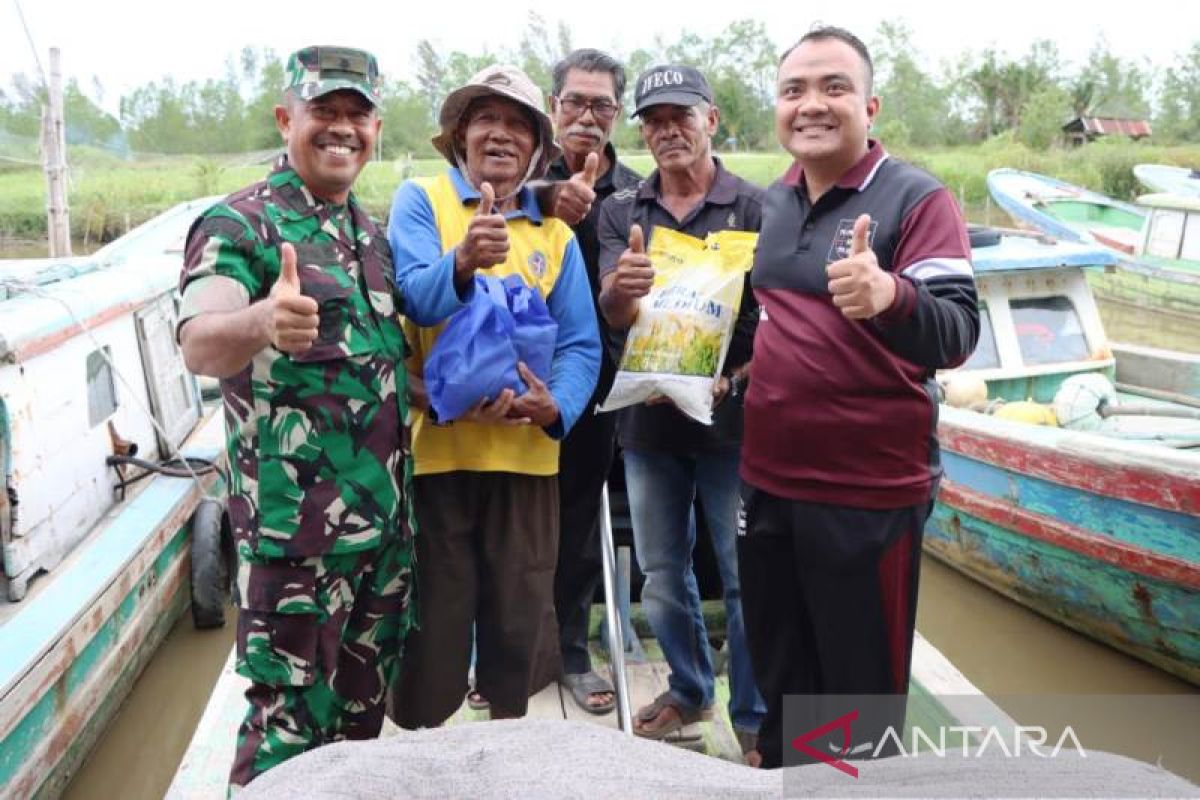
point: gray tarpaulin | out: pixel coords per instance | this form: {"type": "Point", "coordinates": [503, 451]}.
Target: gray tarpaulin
{"type": "Point", "coordinates": [566, 759]}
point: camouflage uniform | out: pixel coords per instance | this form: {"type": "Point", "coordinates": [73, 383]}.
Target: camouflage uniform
{"type": "Point", "coordinates": [320, 484]}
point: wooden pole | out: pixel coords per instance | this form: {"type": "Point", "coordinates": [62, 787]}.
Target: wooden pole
{"type": "Point", "coordinates": [54, 160]}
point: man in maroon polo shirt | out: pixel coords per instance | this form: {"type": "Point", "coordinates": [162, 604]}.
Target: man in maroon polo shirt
{"type": "Point", "coordinates": [864, 278]}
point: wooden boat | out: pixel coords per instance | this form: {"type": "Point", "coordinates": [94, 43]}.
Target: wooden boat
{"type": "Point", "coordinates": [1098, 528]}
{"type": "Point", "coordinates": [1158, 275]}
{"type": "Point", "coordinates": [1164, 278]}
{"type": "Point", "coordinates": [1173, 180]}
{"type": "Point", "coordinates": [1068, 212]}
{"type": "Point", "coordinates": [102, 525]}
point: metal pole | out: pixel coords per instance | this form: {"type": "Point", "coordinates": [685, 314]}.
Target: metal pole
{"type": "Point", "coordinates": [616, 638]}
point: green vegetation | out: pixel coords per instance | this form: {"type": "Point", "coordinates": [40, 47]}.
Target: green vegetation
{"type": "Point", "coordinates": [109, 196]}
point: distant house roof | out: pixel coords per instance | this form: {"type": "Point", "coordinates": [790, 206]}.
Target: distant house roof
{"type": "Point", "coordinates": [1103, 126]}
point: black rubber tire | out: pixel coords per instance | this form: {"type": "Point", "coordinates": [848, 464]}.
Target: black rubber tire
{"type": "Point", "coordinates": [982, 236]}
{"type": "Point", "coordinates": [212, 564]}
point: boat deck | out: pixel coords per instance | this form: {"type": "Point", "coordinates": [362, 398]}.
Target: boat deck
{"type": "Point", "coordinates": [939, 695]}
{"type": "Point", "coordinates": [205, 767]}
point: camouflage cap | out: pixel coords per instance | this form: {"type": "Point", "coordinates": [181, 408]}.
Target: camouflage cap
{"type": "Point", "coordinates": [316, 71]}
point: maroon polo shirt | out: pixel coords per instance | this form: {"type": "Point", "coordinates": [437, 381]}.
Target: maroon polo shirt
{"type": "Point", "coordinates": [844, 411]}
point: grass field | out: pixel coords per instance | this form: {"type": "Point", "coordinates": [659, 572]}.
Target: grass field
{"type": "Point", "coordinates": [107, 197]}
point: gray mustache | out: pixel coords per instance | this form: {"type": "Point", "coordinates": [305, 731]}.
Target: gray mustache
{"type": "Point", "coordinates": [586, 130]}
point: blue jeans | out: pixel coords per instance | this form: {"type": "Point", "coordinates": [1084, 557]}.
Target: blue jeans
{"type": "Point", "coordinates": [662, 488]}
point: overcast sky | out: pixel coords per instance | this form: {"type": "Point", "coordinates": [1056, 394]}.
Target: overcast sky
{"type": "Point", "coordinates": [126, 43]}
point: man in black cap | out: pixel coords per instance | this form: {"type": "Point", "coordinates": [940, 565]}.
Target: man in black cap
{"type": "Point", "coordinates": [670, 458]}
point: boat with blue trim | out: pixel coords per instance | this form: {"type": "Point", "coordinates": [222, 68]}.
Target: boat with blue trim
{"type": "Point", "coordinates": [1071, 464]}
{"type": "Point", "coordinates": [1156, 240]}
{"type": "Point", "coordinates": [111, 504]}
{"type": "Point", "coordinates": [1170, 179]}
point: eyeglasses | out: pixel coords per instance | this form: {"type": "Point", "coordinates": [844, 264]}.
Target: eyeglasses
{"type": "Point", "coordinates": [601, 108]}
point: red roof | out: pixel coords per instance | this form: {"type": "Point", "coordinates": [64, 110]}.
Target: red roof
{"type": "Point", "coordinates": [1108, 125]}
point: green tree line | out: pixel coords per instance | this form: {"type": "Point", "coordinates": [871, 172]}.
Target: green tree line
{"type": "Point", "coordinates": [969, 99]}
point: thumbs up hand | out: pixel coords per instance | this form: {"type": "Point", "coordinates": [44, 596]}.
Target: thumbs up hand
{"type": "Point", "coordinates": [859, 287]}
{"type": "Point", "coordinates": [634, 275]}
{"type": "Point", "coordinates": [486, 242]}
{"type": "Point", "coordinates": [293, 319]}
{"type": "Point", "coordinates": [591, 170]}
{"type": "Point", "coordinates": [573, 199]}
{"type": "Point", "coordinates": [637, 242]}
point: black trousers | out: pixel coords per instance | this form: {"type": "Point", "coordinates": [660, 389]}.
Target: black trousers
{"type": "Point", "coordinates": [486, 548]}
{"type": "Point", "coordinates": [583, 465]}
{"type": "Point", "coordinates": [829, 595]}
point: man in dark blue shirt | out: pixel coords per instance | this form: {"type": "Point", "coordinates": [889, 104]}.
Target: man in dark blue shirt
{"type": "Point", "coordinates": [670, 458]}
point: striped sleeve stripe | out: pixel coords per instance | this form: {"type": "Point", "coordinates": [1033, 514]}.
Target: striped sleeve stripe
{"type": "Point", "coordinates": [930, 268]}
{"type": "Point", "coordinates": [871, 175]}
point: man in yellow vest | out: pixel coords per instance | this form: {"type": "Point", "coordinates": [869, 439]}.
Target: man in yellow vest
{"type": "Point", "coordinates": [486, 491]}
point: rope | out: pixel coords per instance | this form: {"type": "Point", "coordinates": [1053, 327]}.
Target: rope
{"type": "Point", "coordinates": [32, 46]}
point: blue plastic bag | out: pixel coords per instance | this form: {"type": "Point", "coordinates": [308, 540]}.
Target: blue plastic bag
{"type": "Point", "coordinates": [476, 355]}
{"type": "Point", "coordinates": [534, 330]}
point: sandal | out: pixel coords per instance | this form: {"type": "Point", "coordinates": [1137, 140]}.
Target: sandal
{"type": "Point", "coordinates": [684, 715]}
{"type": "Point", "coordinates": [749, 743]}
{"type": "Point", "coordinates": [585, 684]}
{"type": "Point", "coordinates": [477, 702]}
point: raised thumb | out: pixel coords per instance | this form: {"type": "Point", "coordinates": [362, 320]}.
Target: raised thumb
{"type": "Point", "coordinates": [288, 276]}
{"type": "Point", "coordinates": [591, 165]}
{"type": "Point", "coordinates": [487, 198]}
{"type": "Point", "coordinates": [862, 225]}
{"type": "Point", "coordinates": [637, 243]}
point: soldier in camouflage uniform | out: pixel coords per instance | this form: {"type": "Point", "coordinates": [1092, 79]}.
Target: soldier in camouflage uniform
{"type": "Point", "coordinates": [289, 297]}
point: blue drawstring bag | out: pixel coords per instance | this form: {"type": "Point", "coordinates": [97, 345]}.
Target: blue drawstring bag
{"type": "Point", "coordinates": [476, 354]}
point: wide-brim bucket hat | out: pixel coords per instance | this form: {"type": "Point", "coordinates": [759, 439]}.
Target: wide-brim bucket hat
{"type": "Point", "coordinates": [509, 82]}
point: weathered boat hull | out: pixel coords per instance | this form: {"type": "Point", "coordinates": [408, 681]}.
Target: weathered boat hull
{"type": "Point", "coordinates": [1098, 534]}
{"type": "Point", "coordinates": [74, 649]}
{"type": "Point", "coordinates": [96, 564]}
{"type": "Point", "coordinates": [1158, 302]}
{"type": "Point", "coordinates": [1154, 290]}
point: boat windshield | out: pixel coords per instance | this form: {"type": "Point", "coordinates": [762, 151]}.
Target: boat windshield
{"type": "Point", "coordinates": [1190, 250]}
{"type": "Point", "coordinates": [986, 356]}
{"type": "Point", "coordinates": [1049, 330]}
{"type": "Point", "coordinates": [1166, 231]}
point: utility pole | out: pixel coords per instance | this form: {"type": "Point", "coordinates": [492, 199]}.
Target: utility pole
{"type": "Point", "coordinates": [54, 162]}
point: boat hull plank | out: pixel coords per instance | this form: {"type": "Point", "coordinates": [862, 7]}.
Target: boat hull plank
{"type": "Point", "coordinates": [74, 649]}
{"type": "Point", "coordinates": [1150, 619]}
{"type": "Point", "coordinates": [1098, 534]}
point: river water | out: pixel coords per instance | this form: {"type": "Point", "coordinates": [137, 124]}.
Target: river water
{"type": "Point", "coordinates": [138, 754]}
{"type": "Point", "coordinates": [1001, 647]}
{"type": "Point", "coordinates": [1031, 666]}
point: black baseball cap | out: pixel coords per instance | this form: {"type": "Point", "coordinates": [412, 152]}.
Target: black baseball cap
{"type": "Point", "coordinates": [670, 84]}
